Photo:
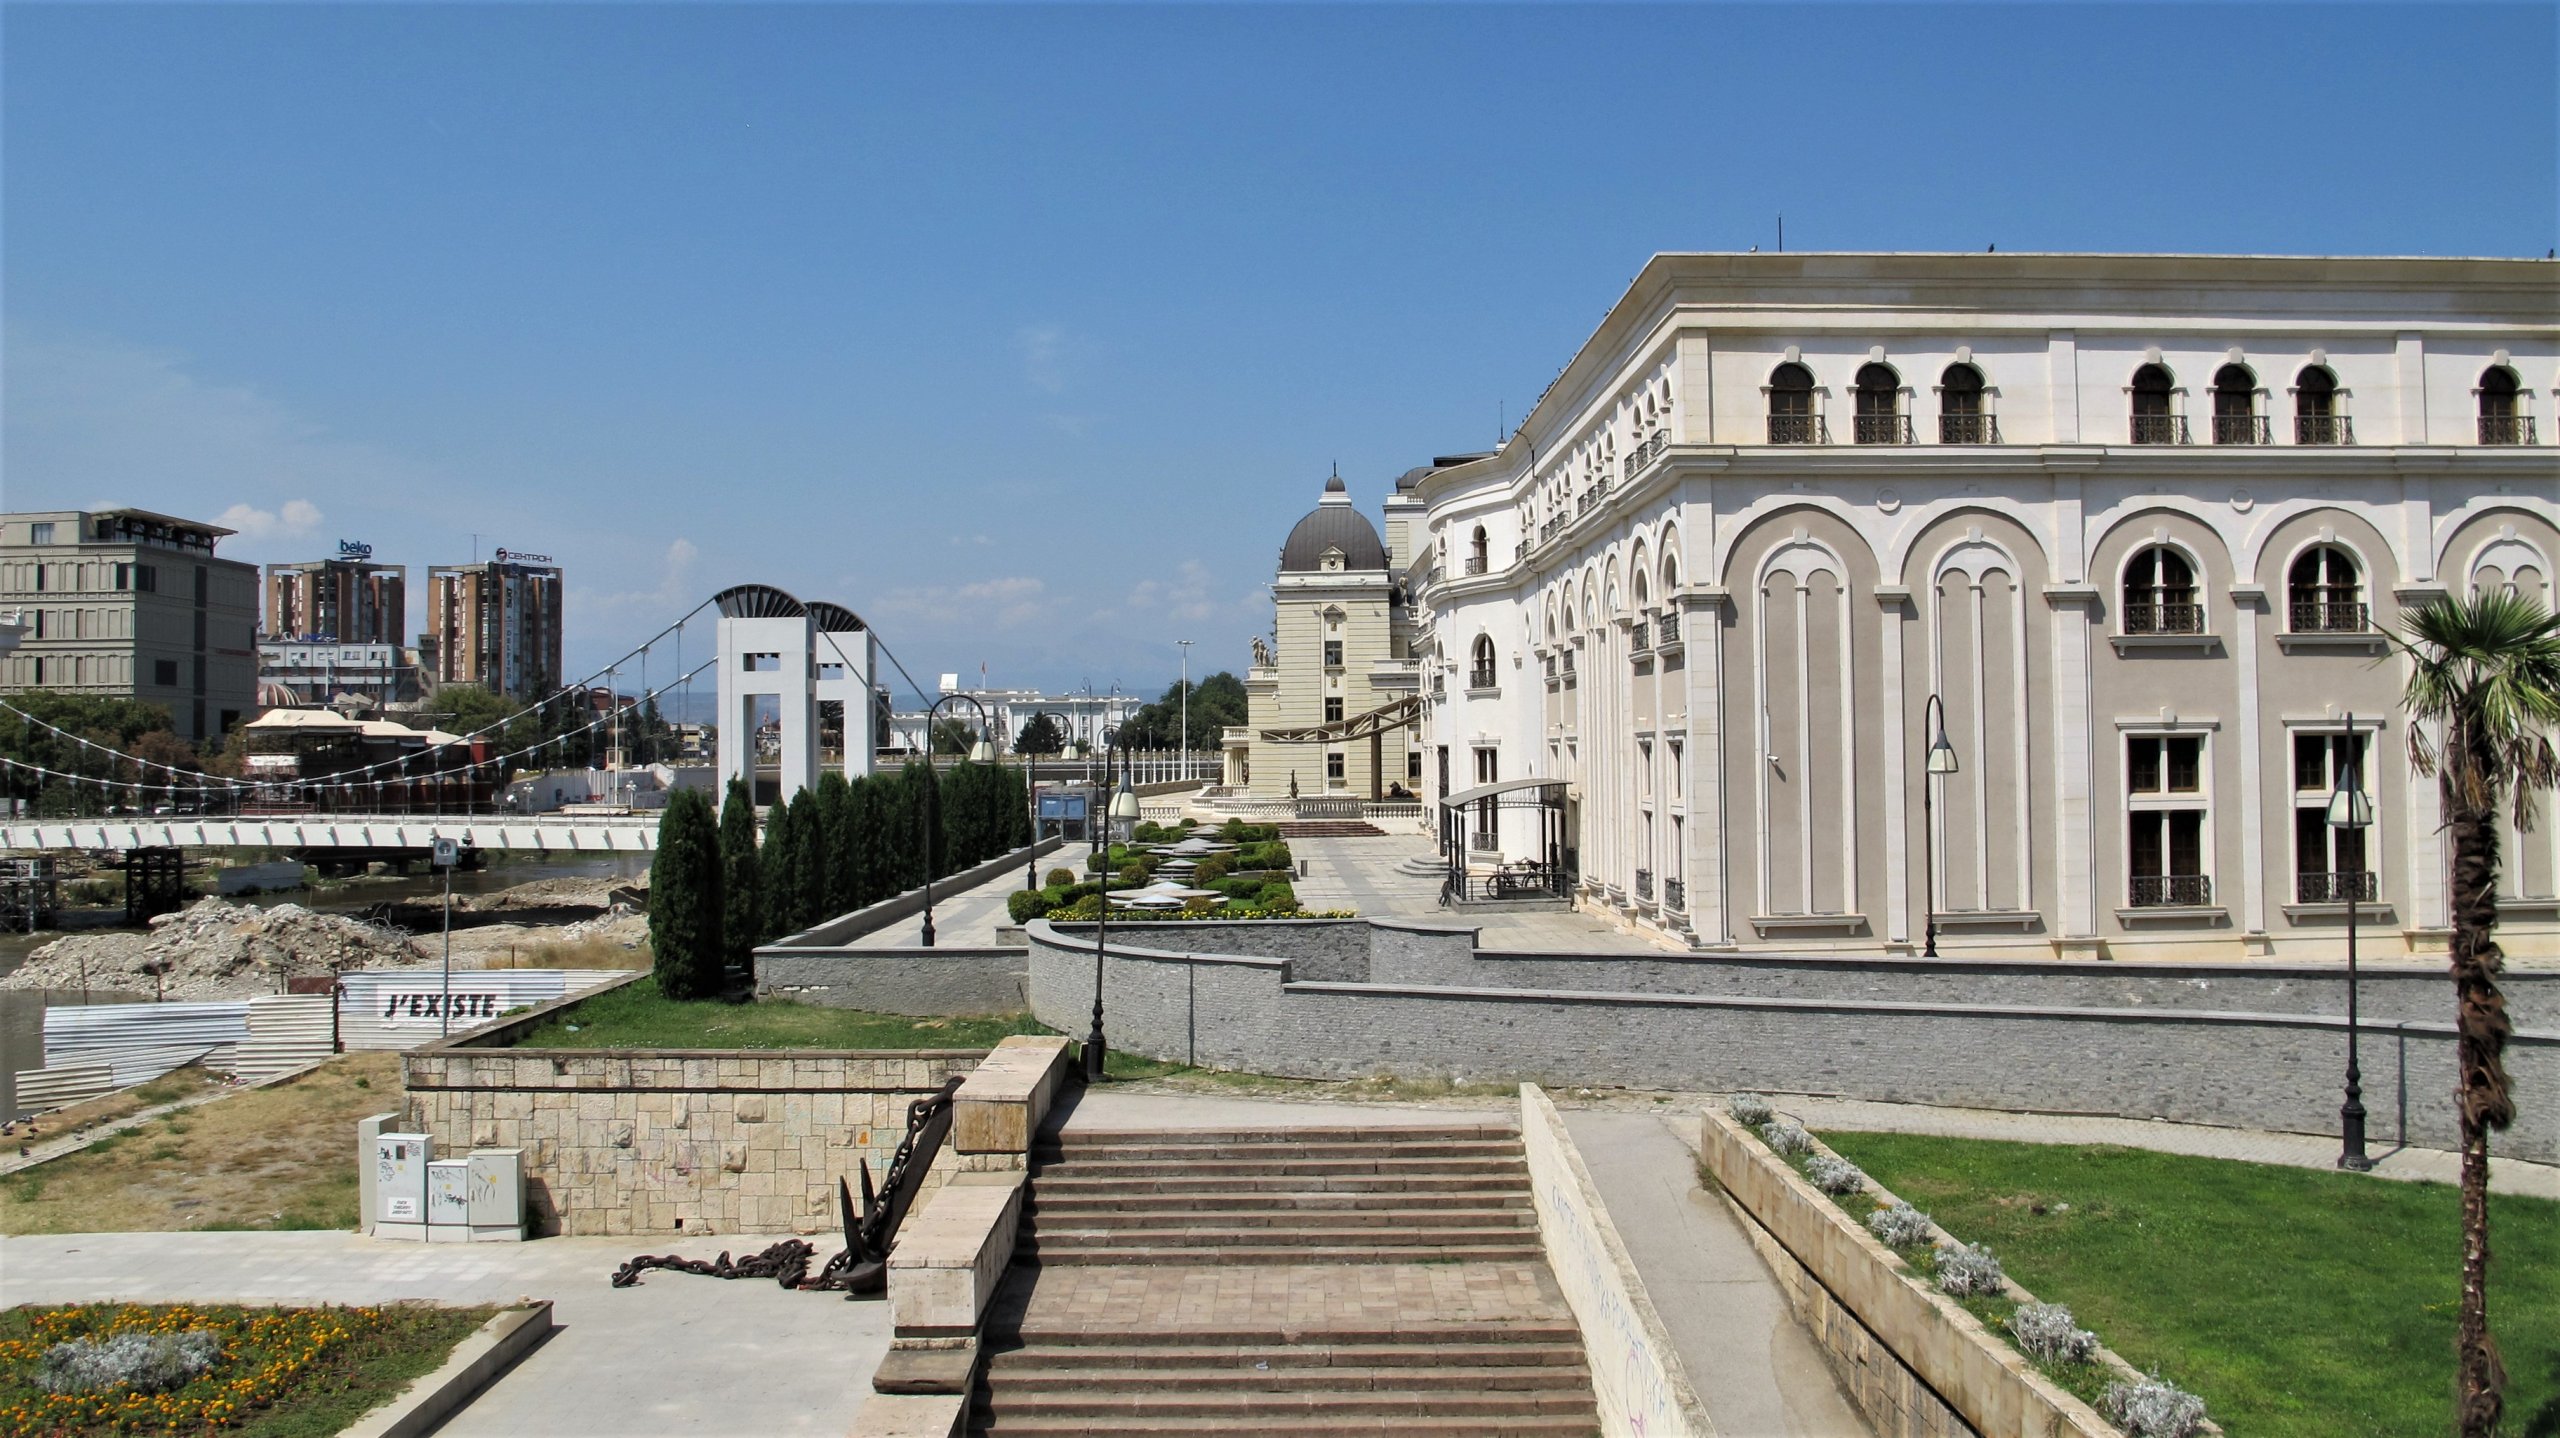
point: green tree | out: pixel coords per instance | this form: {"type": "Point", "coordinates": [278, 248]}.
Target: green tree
{"type": "Point", "coordinates": [1041, 734]}
{"type": "Point", "coordinates": [835, 826]}
{"type": "Point", "coordinates": [741, 880]}
{"type": "Point", "coordinates": [870, 839]}
{"type": "Point", "coordinates": [1217, 703]}
{"type": "Point", "coordinates": [2484, 695]}
{"type": "Point", "coordinates": [105, 735]}
{"type": "Point", "coordinates": [775, 865]}
{"type": "Point", "coordinates": [808, 862]}
{"type": "Point", "coordinates": [953, 736]}
{"type": "Point", "coordinates": [685, 902]}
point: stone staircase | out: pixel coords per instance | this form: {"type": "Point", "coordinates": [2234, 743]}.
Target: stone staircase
{"type": "Point", "coordinates": [1330, 829]}
{"type": "Point", "coordinates": [1294, 1281]}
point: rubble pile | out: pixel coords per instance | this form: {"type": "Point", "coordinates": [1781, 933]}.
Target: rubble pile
{"type": "Point", "coordinates": [596, 893]}
{"type": "Point", "coordinates": [215, 950]}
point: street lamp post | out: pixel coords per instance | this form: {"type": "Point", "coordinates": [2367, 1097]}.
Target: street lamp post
{"type": "Point", "coordinates": [1941, 760]}
{"type": "Point", "coordinates": [1124, 805]}
{"type": "Point", "coordinates": [1031, 788]}
{"type": "Point", "coordinates": [2351, 812]}
{"type": "Point", "coordinates": [980, 752]}
{"type": "Point", "coordinates": [1185, 742]}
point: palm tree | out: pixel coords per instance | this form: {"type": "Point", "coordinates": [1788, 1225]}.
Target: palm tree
{"type": "Point", "coordinates": [2483, 692]}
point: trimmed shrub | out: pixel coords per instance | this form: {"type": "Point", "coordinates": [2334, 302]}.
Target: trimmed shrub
{"type": "Point", "coordinates": [1834, 1175]}
{"type": "Point", "coordinates": [1133, 875]}
{"type": "Point", "coordinates": [134, 1362]}
{"type": "Point", "coordinates": [1900, 1226]}
{"type": "Point", "coordinates": [2045, 1330]}
{"type": "Point", "coordinates": [1029, 904]}
{"type": "Point", "coordinates": [1088, 906]}
{"type": "Point", "coordinates": [1276, 895]}
{"type": "Point", "coordinates": [1786, 1137]}
{"type": "Point", "coordinates": [1749, 1109]}
{"type": "Point", "coordinates": [1058, 879]}
{"type": "Point", "coordinates": [2152, 1408]}
{"type": "Point", "coordinates": [1209, 872]}
{"type": "Point", "coordinates": [1967, 1271]}
{"type": "Point", "coordinates": [1093, 863]}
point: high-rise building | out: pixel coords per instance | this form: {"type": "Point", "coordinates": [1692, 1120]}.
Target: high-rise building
{"type": "Point", "coordinates": [495, 624]}
{"type": "Point", "coordinates": [346, 600]}
{"type": "Point", "coordinates": [124, 603]}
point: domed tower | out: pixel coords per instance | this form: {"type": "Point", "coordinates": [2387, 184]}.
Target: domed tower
{"type": "Point", "coordinates": [1340, 652]}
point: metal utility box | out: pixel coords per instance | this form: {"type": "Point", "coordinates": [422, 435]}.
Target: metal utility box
{"type": "Point", "coordinates": [497, 1195]}
{"type": "Point", "coordinates": [449, 1201]}
{"type": "Point", "coordinates": [400, 1184]}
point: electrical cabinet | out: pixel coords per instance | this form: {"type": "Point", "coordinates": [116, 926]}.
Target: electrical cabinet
{"type": "Point", "coordinates": [497, 1195]}
{"type": "Point", "coordinates": [449, 1200]}
{"type": "Point", "coordinates": [400, 1184]}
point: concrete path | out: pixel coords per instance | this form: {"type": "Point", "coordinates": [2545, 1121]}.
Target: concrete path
{"type": "Point", "coordinates": [1361, 874]}
{"type": "Point", "coordinates": [676, 1355]}
{"type": "Point", "coordinates": [965, 918]}
{"type": "Point", "coordinates": [2293, 1150]}
{"type": "Point", "coordinates": [1756, 1369]}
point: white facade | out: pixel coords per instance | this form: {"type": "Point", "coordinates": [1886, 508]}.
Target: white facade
{"type": "Point", "coordinates": [1760, 520]}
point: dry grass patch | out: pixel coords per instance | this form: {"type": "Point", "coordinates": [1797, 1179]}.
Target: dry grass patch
{"type": "Point", "coordinates": [270, 1158]}
{"type": "Point", "coordinates": [177, 1084]}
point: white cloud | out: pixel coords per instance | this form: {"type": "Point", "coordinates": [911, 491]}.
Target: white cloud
{"type": "Point", "coordinates": [968, 608]}
{"type": "Point", "coordinates": [294, 519]}
{"type": "Point", "coordinates": [672, 594]}
{"type": "Point", "coordinates": [1183, 596]}
{"type": "Point", "coordinates": [1043, 349]}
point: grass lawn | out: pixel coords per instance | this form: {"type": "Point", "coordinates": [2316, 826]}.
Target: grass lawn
{"type": "Point", "coordinates": [294, 1373]}
{"type": "Point", "coordinates": [276, 1157]}
{"type": "Point", "coordinates": [637, 1016]}
{"type": "Point", "coordinates": [2294, 1301]}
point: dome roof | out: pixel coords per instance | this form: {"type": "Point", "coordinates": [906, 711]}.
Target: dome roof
{"type": "Point", "coordinates": [1333, 524]}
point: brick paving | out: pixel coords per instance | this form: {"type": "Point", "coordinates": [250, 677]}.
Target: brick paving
{"type": "Point", "coordinates": [1361, 874]}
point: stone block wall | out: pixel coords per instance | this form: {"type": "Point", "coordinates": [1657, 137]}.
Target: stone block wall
{"type": "Point", "coordinates": [925, 983]}
{"type": "Point", "coordinates": [644, 1142]}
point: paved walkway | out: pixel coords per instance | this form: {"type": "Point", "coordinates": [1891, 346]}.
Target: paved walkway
{"type": "Point", "coordinates": [965, 918]}
{"type": "Point", "coordinates": [1361, 874]}
{"type": "Point", "coordinates": [676, 1355]}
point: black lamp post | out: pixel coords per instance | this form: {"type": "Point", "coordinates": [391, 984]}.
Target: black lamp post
{"type": "Point", "coordinates": [1124, 805]}
{"type": "Point", "coordinates": [1030, 787]}
{"type": "Point", "coordinates": [2351, 812]}
{"type": "Point", "coordinates": [980, 752]}
{"type": "Point", "coordinates": [1940, 760]}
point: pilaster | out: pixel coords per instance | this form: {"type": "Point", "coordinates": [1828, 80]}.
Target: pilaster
{"type": "Point", "coordinates": [1895, 601]}
{"type": "Point", "coordinates": [2248, 602]}
{"type": "Point", "coordinates": [2075, 836]}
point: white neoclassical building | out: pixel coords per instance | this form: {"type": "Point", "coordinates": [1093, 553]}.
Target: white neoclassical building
{"type": "Point", "coordinates": [2128, 529]}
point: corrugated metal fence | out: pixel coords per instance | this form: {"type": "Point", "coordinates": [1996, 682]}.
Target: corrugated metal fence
{"type": "Point", "coordinates": [403, 1008]}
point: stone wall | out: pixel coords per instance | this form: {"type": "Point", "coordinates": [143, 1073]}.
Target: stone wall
{"type": "Point", "coordinates": [920, 982]}
{"type": "Point", "coordinates": [722, 1141]}
{"type": "Point", "coordinates": [2272, 1070]}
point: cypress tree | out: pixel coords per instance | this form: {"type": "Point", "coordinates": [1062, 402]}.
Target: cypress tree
{"type": "Point", "coordinates": [684, 899]}
{"type": "Point", "coordinates": [870, 859]}
{"type": "Point", "coordinates": [775, 868]}
{"type": "Point", "coordinates": [835, 822]}
{"type": "Point", "coordinates": [808, 861]}
{"type": "Point", "coordinates": [741, 880]}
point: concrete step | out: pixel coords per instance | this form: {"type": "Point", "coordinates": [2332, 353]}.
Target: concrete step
{"type": "Point", "coordinates": [1263, 1152]}
{"type": "Point", "coordinates": [1422, 1333]}
{"type": "Point", "coordinates": [1280, 1167]}
{"type": "Point", "coordinates": [1037, 1399]}
{"type": "Point", "coordinates": [1184, 1354]}
{"type": "Point", "coordinates": [1028, 1379]}
{"type": "Point", "coordinates": [1047, 1217]}
{"type": "Point", "coordinates": [1010, 1425]}
{"type": "Point", "coordinates": [1048, 1199]}
{"type": "Point", "coordinates": [1050, 1236]}
{"type": "Point", "coordinates": [1069, 1185]}
{"type": "Point", "coordinates": [1313, 1133]}
{"type": "Point", "coordinates": [1074, 1253]}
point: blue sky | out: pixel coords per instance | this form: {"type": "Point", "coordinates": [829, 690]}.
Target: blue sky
{"type": "Point", "coordinates": [1027, 332]}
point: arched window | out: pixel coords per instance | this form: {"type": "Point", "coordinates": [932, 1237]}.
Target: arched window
{"type": "Point", "coordinates": [2235, 407]}
{"type": "Point", "coordinates": [1879, 398]}
{"type": "Point", "coordinates": [1480, 675]}
{"type": "Point", "coordinates": [2152, 421]}
{"type": "Point", "coordinates": [1961, 416]}
{"type": "Point", "coordinates": [2160, 593]}
{"type": "Point", "coordinates": [1791, 416]}
{"type": "Point", "coordinates": [2502, 416]}
{"type": "Point", "coordinates": [2315, 408]}
{"type": "Point", "coordinates": [2323, 592]}
{"type": "Point", "coordinates": [1476, 552]}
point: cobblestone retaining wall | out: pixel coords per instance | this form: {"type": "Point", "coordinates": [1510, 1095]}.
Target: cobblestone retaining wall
{"type": "Point", "coordinates": [920, 982]}
{"type": "Point", "coordinates": [723, 1141]}
{"type": "Point", "coordinates": [2269, 1070]}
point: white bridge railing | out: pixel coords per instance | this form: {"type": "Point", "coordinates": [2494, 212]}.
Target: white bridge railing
{"type": "Point", "coordinates": [559, 833]}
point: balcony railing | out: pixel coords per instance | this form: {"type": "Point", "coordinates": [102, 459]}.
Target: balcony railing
{"type": "Point", "coordinates": [2360, 886]}
{"type": "Point", "coordinates": [2241, 429]}
{"type": "Point", "coordinates": [1675, 895]}
{"type": "Point", "coordinates": [2164, 619]}
{"type": "Point", "coordinates": [2323, 429]}
{"type": "Point", "coordinates": [1590, 498]}
{"type": "Point", "coordinates": [1485, 841]}
{"type": "Point", "coordinates": [1552, 526]}
{"type": "Point", "coordinates": [1644, 884]}
{"type": "Point", "coordinates": [1642, 454]}
{"type": "Point", "coordinates": [1669, 625]}
{"type": "Point", "coordinates": [1640, 637]}
{"type": "Point", "coordinates": [1798, 429]}
{"type": "Point", "coordinates": [2160, 429]}
{"type": "Point", "coordinates": [2506, 429]}
{"type": "Point", "coordinates": [1475, 564]}
{"type": "Point", "coordinates": [1968, 429]}
{"type": "Point", "coordinates": [2331, 616]}
{"type": "Point", "coordinates": [1480, 679]}
{"type": "Point", "coordinates": [1882, 429]}
{"type": "Point", "coordinates": [1568, 661]}
{"type": "Point", "coordinates": [2172, 891]}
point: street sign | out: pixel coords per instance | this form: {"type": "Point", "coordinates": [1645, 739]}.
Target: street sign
{"type": "Point", "coordinates": [1066, 808]}
{"type": "Point", "coordinates": [448, 853]}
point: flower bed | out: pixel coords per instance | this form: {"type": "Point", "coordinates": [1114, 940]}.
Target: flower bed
{"type": "Point", "coordinates": [113, 1369]}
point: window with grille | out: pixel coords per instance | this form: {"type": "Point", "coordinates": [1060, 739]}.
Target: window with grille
{"type": "Point", "coordinates": [2330, 865]}
{"type": "Point", "coordinates": [1878, 399]}
{"type": "Point", "coordinates": [2152, 421]}
{"type": "Point", "coordinates": [2166, 821]}
{"type": "Point", "coordinates": [1791, 417]}
{"type": "Point", "coordinates": [2160, 595]}
{"type": "Point", "coordinates": [2235, 407]}
{"type": "Point", "coordinates": [2322, 592]}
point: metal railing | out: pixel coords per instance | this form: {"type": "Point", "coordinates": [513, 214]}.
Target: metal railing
{"type": "Point", "coordinates": [1640, 637]}
{"type": "Point", "coordinates": [1798, 429]}
{"type": "Point", "coordinates": [2160, 429]}
{"type": "Point", "coordinates": [1669, 624]}
{"type": "Point", "coordinates": [1485, 841]}
{"type": "Point", "coordinates": [2506, 429]}
{"type": "Point", "coordinates": [2323, 429]}
{"type": "Point", "coordinates": [1590, 498]}
{"type": "Point", "coordinates": [1481, 679]}
{"type": "Point", "coordinates": [1968, 429]}
{"type": "Point", "coordinates": [2164, 619]}
{"type": "Point", "coordinates": [2172, 891]}
{"type": "Point", "coordinates": [1521, 552]}
{"type": "Point", "coordinates": [2361, 885]}
{"type": "Point", "coordinates": [1642, 454]}
{"type": "Point", "coordinates": [1882, 429]}
{"type": "Point", "coordinates": [2331, 616]}
{"type": "Point", "coordinates": [1475, 564]}
{"type": "Point", "coordinates": [1644, 885]}
{"type": "Point", "coordinates": [1675, 895]}
{"type": "Point", "coordinates": [2241, 429]}
{"type": "Point", "coordinates": [1568, 661]}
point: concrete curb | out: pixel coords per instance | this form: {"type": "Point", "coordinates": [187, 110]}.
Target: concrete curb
{"type": "Point", "coordinates": [477, 1359]}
